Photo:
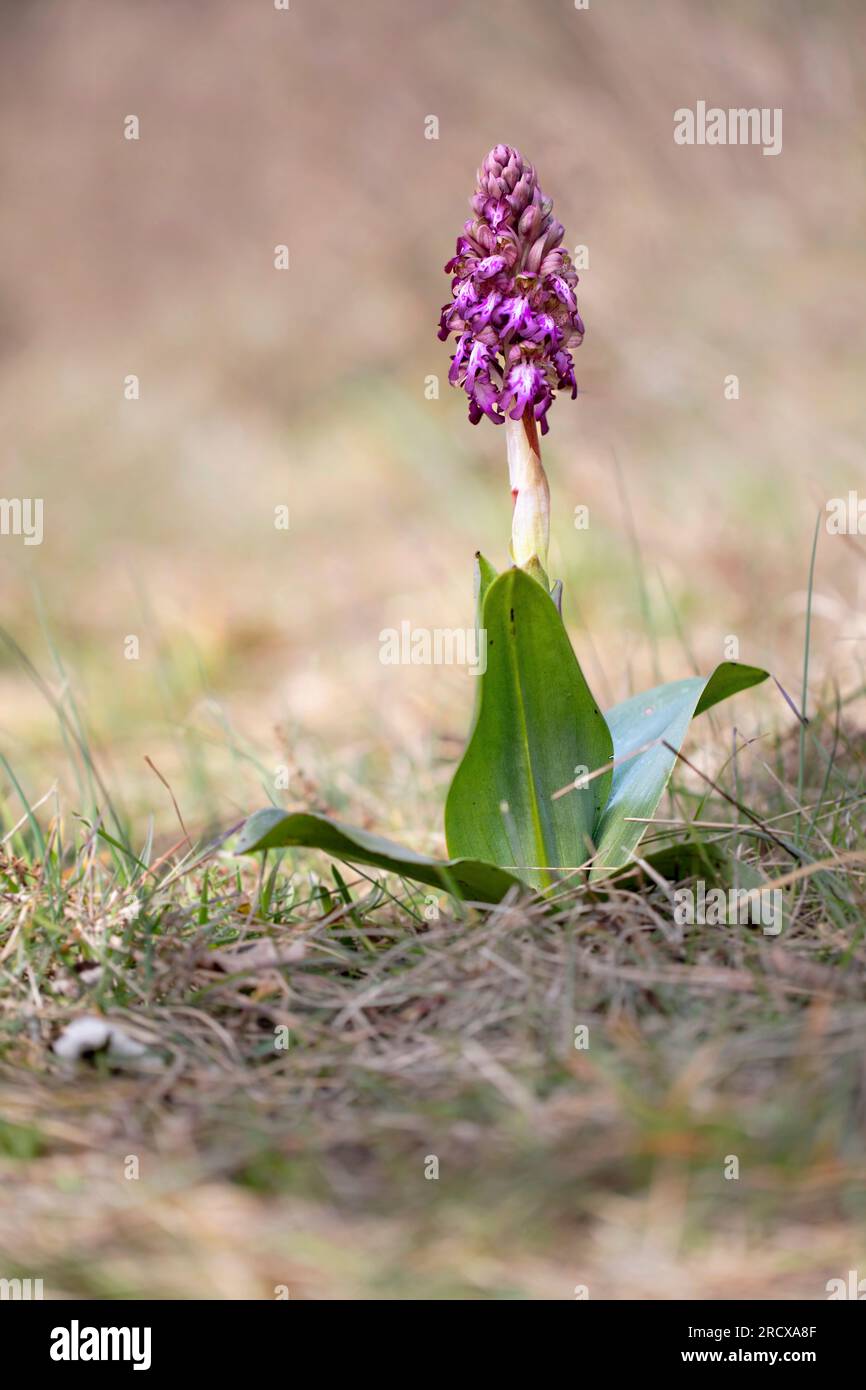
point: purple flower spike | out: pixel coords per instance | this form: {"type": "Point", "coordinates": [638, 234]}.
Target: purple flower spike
{"type": "Point", "coordinates": [513, 306]}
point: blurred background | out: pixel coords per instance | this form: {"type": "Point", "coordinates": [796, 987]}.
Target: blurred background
{"type": "Point", "coordinates": [306, 387]}
{"type": "Point", "coordinates": [310, 388]}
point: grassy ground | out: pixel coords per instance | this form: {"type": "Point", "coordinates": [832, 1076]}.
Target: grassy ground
{"type": "Point", "coordinates": [313, 1041]}
{"type": "Point", "coordinates": [258, 661]}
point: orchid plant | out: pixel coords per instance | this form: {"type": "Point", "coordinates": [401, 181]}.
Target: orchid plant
{"type": "Point", "coordinates": [549, 789]}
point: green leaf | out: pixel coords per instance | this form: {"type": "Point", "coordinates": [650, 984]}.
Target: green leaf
{"type": "Point", "coordinates": [485, 575]}
{"type": "Point", "coordinates": [537, 725]}
{"type": "Point", "coordinates": [715, 863]}
{"type": "Point", "coordinates": [465, 878]}
{"type": "Point", "coordinates": [675, 862]}
{"type": "Point", "coordinates": [663, 713]}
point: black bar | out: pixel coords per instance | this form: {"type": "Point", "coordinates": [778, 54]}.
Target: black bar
{"type": "Point", "coordinates": [246, 1338]}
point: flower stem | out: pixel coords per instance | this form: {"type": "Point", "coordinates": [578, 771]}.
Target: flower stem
{"type": "Point", "coordinates": [530, 522]}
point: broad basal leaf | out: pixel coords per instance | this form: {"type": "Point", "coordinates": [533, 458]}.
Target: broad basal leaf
{"type": "Point", "coordinates": [537, 726]}
{"type": "Point", "coordinates": [663, 713]}
{"type": "Point", "coordinates": [485, 575]}
{"type": "Point", "coordinates": [465, 878]}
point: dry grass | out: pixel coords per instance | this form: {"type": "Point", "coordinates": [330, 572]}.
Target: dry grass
{"type": "Point", "coordinates": [455, 1038]}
